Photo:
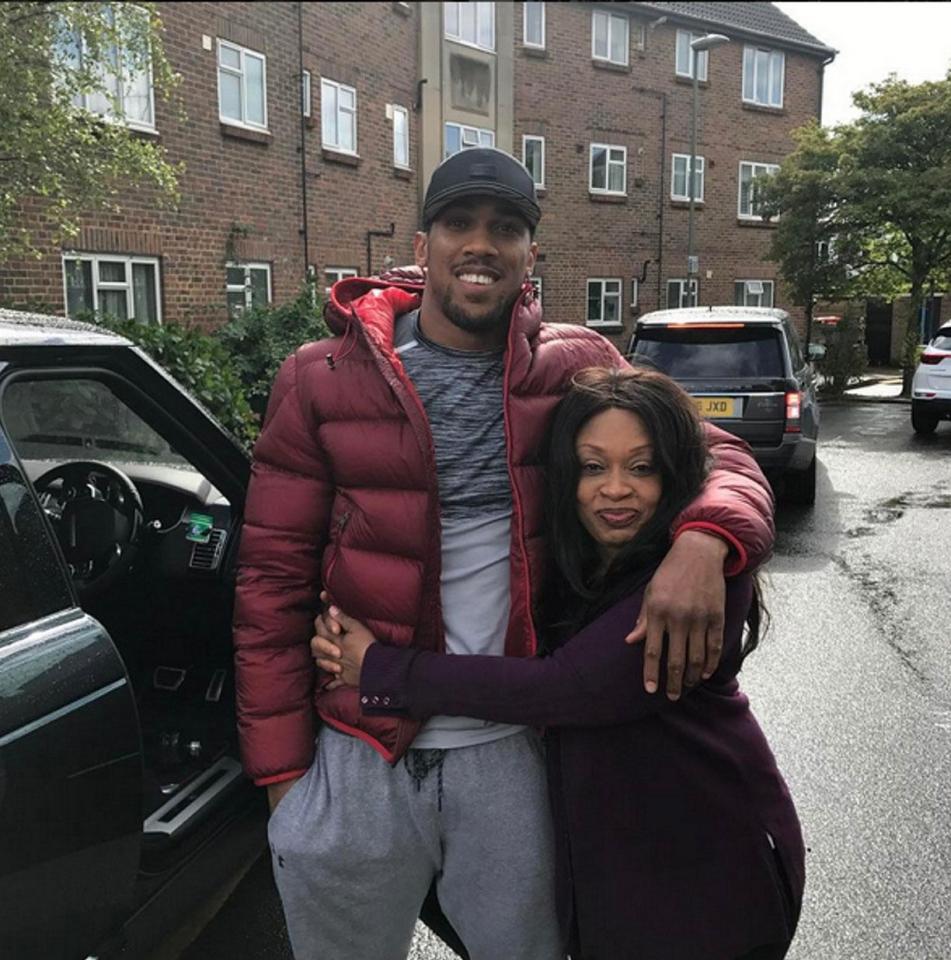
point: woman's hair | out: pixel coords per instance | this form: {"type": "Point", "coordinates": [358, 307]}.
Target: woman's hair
{"type": "Point", "coordinates": [679, 455]}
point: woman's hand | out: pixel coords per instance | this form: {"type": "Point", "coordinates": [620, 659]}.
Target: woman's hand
{"type": "Point", "coordinates": [339, 645]}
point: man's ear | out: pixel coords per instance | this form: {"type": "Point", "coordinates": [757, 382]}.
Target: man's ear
{"type": "Point", "coordinates": [421, 248]}
{"type": "Point", "coordinates": [532, 257]}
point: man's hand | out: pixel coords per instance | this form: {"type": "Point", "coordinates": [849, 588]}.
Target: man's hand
{"type": "Point", "coordinates": [276, 791]}
{"type": "Point", "coordinates": [686, 600]}
{"type": "Point", "coordinates": [339, 645]}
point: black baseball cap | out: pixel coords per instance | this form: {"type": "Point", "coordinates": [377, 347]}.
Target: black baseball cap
{"type": "Point", "coordinates": [481, 172]}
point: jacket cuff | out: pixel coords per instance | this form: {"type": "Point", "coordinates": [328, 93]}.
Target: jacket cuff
{"type": "Point", "coordinates": [384, 680]}
{"type": "Point", "coordinates": [279, 778]}
{"type": "Point", "coordinates": [737, 558]}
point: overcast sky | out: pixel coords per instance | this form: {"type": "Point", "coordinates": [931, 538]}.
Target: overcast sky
{"type": "Point", "coordinates": [873, 40]}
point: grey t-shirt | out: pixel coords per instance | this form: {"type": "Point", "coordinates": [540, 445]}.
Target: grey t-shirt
{"type": "Point", "coordinates": [461, 392]}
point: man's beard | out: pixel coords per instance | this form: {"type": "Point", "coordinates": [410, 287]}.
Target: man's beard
{"type": "Point", "coordinates": [488, 322]}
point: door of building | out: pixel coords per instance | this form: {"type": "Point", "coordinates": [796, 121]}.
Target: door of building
{"type": "Point", "coordinates": [878, 331]}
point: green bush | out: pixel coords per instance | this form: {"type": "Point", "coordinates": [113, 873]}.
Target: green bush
{"type": "Point", "coordinates": [200, 363]}
{"type": "Point", "coordinates": [260, 339]}
{"type": "Point", "coordinates": [846, 357]}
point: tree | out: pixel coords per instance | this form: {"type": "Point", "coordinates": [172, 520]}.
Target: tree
{"type": "Point", "coordinates": [73, 76]}
{"type": "Point", "coordinates": [880, 189]}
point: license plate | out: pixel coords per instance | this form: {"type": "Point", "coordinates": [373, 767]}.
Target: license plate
{"type": "Point", "coordinates": [719, 407]}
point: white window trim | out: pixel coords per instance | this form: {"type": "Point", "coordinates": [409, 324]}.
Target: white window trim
{"type": "Point", "coordinates": [534, 136]}
{"type": "Point", "coordinates": [765, 283]}
{"type": "Point", "coordinates": [307, 94]}
{"type": "Point", "coordinates": [782, 78]}
{"type": "Point", "coordinates": [607, 178]}
{"type": "Point", "coordinates": [620, 305]}
{"type": "Point", "coordinates": [356, 140]}
{"type": "Point", "coordinates": [248, 266]}
{"type": "Point", "coordinates": [242, 73]}
{"type": "Point", "coordinates": [635, 291]}
{"type": "Point", "coordinates": [701, 58]}
{"type": "Point", "coordinates": [525, 42]}
{"type": "Point", "coordinates": [397, 163]}
{"type": "Point", "coordinates": [461, 127]}
{"type": "Point", "coordinates": [701, 169]}
{"type": "Point", "coordinates": [129, 261]}
{"type": "Point", "coordinates": [342, 274]}
{"type": "Point", "coordinates": [468, 43]}
{"type": "Point", "coordinates": [683, 281]}
{"type": "Point", "coordinates": [771, 169]}
{"type": "Point", "coordinates": [611, 15]}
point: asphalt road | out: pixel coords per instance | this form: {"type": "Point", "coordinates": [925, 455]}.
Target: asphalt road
{"type": "Point", "coordinates": [853, 687]}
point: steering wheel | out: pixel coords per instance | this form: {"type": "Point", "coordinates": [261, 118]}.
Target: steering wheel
{"type": "Point", "coordinates": [98, 517]}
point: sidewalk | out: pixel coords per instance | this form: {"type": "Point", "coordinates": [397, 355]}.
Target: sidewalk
{"type": "Point", "coordinates": [880, 384]}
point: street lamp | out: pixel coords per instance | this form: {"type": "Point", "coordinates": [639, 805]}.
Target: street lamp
{"type": "Point", "coordinates": [706, 42]}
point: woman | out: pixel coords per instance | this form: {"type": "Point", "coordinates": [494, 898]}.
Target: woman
{"type": "Point", "coordinates": [677, 837]}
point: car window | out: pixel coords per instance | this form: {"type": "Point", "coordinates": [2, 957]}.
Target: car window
{"type": "Point", "coordinates": [79, 419]}
{"type": "Point", "coordinates": [696, 353]}
{"type": "Point", "coordinates": [795, 350]}
{"type": "Point", "coordinates": [32, 582]}
{"type": "Point", "coordinates": [942, 341]}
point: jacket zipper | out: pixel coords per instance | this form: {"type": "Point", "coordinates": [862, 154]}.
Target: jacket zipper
{"type": "Point", "coordinates": [335, 533]}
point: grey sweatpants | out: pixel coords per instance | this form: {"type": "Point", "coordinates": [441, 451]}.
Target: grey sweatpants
{"type": "Point", "coordinates": [356, 843]}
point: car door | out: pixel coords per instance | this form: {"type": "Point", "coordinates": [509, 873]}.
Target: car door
{"type": "Point", "coordinates": [70, 751]}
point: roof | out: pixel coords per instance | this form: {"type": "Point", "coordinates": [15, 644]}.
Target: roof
{"type": "Point", "coordinates": [766, 315]}
{"type": "Point", "coordinates": [18, 327]}
{"type": "Point", "coordinates": [754, 19]}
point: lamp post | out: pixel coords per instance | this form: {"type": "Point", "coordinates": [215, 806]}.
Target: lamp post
{"type": "Point", "coordinates": [706, 42]}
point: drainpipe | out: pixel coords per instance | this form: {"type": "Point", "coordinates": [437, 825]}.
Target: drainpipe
{"type": "Point", "coordinates": [822, 74]}
{"type": "Point", "coordinates": [660, 202]}
{"type": "Point", "coordinates": [302, 150]}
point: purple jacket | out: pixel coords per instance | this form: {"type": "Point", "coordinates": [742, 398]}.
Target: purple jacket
{"type": "Point", "coordinates": [676, 836]}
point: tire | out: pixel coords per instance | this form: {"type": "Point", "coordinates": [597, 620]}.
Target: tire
{"type": "Point", "coordinates": [801, 485]}
{"type": "Point", "coordinates": [922, 422]}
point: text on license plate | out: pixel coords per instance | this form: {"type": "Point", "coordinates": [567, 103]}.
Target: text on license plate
{"type": "Point", "coordinates": [718, 406]}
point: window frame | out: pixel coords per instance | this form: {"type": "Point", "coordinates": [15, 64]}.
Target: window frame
{"type": "Point", "coordinates": [701, 170]}
{"type": "Point", "coordinates": [342, 274]}
{"type": "Point", "coordinates": [620, 302]}
{"type": "Point", "coordinates": [242, 74]}
{"type": "Point", "coordinates": [461, 127]}
{"type": "Point", "coordinates": [129, 260]}
{"type": "Point", "coordinates": [635, 291]}
{"type": "Point", "coordinates": [539, 184]}
{"type": "Point", "coordinates": [336, 147]}
{"type": "Point", "coordinates": [701, 59]}
{"type": "Point", "coordinates": [248, 266]}
{"type": "Point", "coordinates": [540, 6]}
{"type": "Point", "coordinates": [307, 94]}
{"type": "Point", "coordinates": [480, 8]}
{"type": "Point", "coordinates": [605, 190]}
{"type": "Point", "coordinates": [746, 292]}
{"type": "Point", "coordinates": [752, 48]}
{"type": "Point", "coordinates": [397, 108]}
{"type": "Point", "coordinates": [771, 169]}
{"type": "Point", "coordinates": [611, 15]}
{"type": "Point", "coordinates": [684, 282]}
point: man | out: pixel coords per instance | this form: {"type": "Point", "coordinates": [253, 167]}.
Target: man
{"type": "Point", "coordinates": [398, 470]}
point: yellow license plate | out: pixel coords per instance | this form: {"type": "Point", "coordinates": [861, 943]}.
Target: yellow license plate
{"type": "Point", "coordinates": [718, 407]}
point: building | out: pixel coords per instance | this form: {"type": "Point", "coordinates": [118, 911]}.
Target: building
{"type": "Point", "coordinates": [312, 129]}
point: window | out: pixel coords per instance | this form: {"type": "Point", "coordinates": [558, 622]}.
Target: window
{"type": "Point", "coordinates": [123, 287]}
{"type": "Point", "coordinates": [536, 283]}
{"type": "Point", "coordinates": [679, 184]}
{"type": "Point", "coordinates": [635, 290]}
{"type": "Point", "coordinates": [248, 285]}
{"type": "Point", "coordinates": [472, 23]}
{"type": "Point", "coordinates": [128, 96]}
{"type": "Point", "coordinates": [610, 37]}
{"type": "Point", "coordinates": [753, 293]}
{"type": "Point", "coordinates": [687, 57]}
{"type": "Point", "coordinates": [461, 138]}
{"type": "Point", "coordinates": [242, 86]}
{"type": "Point", "coordinates": [333, 274]}
{"type": "Point", "coordinates": [607, 171]}
{"type": "Point", "coordinates": [604, 303]}
{"type": "Point", "coordinates": [700, 352]}
{"type": "Point", "coordinates": [533, 156]}
{"type": "Point", "coordinates": [763, 76]}
{"type": "Point", "coordinates": [533, 24]}
{"type": "Point", "coordinates": [400, 137]}
{"type": "Point", "coordinates": [338, 116]}
{"type": "Point", "coordinates": [749, 173]}
{"type": "Point", "coordinates": [305, 93]}
{"type": "Point", "coordinates": [681, 293]}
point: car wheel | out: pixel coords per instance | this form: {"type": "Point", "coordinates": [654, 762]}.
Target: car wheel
{"type": "Point", "coordinates": [922, 422]}
{"type": "Point", "coordinates": [801, 485]}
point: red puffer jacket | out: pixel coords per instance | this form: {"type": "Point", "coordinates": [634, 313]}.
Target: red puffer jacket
{"type": "Point", "coordinates": [344, 494]}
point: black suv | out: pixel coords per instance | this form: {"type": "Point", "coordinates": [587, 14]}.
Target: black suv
{"type": "Point", "coordinates": [747, 371]}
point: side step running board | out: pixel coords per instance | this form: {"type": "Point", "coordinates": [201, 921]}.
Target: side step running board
{"type": "Point", "coordinates": [176, 815]}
